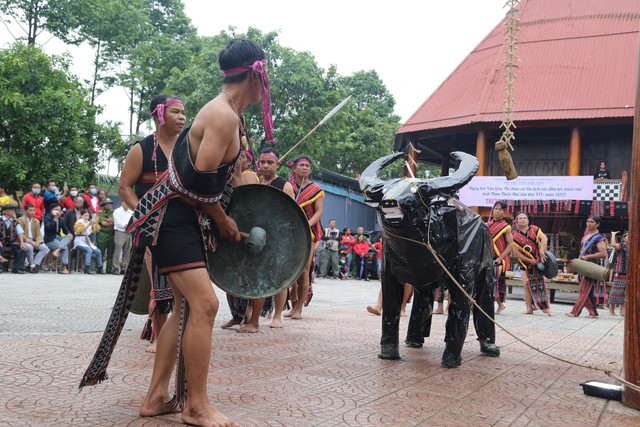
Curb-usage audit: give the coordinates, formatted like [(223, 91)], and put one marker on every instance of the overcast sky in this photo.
[(412, 45)]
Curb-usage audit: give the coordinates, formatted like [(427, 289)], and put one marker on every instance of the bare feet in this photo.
[(151, 348), (403, 314), (152, 406), (528, 312), (593, 316), (277, 324), (570, 315), (374, 310), (3, 260), (500, 309), (547, 311), (206, 417), (56, 253), (231, 323), (612, 312), (249, 328), (439, 311)]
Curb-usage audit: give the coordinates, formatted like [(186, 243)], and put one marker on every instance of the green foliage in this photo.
[(169, 38), (47, 126), (302, 93), (35, 16)]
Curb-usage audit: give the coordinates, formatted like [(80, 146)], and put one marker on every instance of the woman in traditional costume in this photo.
[(530, 243), (593, 249), (619, 283)]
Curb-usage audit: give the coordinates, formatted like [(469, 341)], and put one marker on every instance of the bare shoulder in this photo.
[(215, 118)]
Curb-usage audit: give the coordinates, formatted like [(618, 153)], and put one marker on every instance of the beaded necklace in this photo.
[(154, 157)]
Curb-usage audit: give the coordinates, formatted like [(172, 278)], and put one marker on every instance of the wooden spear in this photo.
[(324, 119)]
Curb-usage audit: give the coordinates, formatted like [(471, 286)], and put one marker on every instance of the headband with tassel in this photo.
[(260, 67)]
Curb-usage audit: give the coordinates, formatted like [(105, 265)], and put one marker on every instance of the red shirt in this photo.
[(378, 246), (349, 241), (68, 203), (361, 248), (92, 208), (37, 201)]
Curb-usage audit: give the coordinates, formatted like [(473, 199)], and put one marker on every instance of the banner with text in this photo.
[(486, 190)]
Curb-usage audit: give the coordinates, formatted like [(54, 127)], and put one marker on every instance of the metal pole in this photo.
[(631, 360)]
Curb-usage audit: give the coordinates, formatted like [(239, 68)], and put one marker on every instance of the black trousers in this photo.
[(18, 255)]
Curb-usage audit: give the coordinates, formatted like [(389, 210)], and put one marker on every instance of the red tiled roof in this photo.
[(578, 60)]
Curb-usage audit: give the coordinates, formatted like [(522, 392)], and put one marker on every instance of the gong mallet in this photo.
[(255, 239)]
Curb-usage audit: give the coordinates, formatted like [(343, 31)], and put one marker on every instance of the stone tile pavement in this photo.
[(319, 371)]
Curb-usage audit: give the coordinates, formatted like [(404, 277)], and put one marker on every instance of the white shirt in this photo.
[(7, 222), (121, 219), (83, 239)]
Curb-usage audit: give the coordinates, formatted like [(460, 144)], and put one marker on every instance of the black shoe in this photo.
[(35, 269), (99, 271), (87, 270), (115, 272), (17, 271)]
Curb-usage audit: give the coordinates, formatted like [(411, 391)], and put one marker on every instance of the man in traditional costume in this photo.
[(145, 163), (502, 242), (593, 249), (310, 197), (530, 243), (181, 218)]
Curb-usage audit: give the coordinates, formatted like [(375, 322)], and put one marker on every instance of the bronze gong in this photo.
[(236, 269)]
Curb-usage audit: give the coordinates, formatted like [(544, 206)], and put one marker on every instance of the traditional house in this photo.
[(573, 108)]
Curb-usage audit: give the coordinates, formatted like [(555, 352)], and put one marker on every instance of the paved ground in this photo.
[(320, 371)]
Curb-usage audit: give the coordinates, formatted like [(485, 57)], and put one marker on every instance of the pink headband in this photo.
[(159, 110), (260, 67), (270, 154), (248, 154)]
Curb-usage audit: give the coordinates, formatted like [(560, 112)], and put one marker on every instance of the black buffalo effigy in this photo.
[(415, 213)]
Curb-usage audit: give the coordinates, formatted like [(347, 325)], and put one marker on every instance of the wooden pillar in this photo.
[(631, 359), (481, 152), (575, 144), (412, 160)]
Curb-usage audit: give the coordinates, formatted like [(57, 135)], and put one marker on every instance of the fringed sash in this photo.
[(145, 227), (305, 198)]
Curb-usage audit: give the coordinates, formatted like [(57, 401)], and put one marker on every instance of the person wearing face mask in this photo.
[(54, 227), (106, 242), (69, 201), (83, 228), (11, 236), (34, 198), (91, 195), (52, 194)]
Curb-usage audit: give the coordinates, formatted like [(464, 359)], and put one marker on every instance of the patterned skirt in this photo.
[(618, 289), (538, 289)]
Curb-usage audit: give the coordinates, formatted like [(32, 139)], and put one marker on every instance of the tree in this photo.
[(168, 40), (302, 94), (48, 129), (35, 16), (111, 28)]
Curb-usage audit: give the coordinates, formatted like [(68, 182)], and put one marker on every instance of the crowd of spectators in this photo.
[(61, 223), (343, 255)]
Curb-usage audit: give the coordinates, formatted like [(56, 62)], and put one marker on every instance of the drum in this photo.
[(589, 269)]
